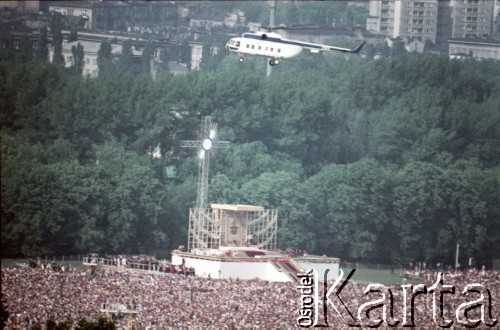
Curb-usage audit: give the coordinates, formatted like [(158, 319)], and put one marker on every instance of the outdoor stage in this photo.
[(247, 263), (239, 241)]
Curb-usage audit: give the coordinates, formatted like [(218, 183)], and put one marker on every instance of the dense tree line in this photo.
[(393, 160)]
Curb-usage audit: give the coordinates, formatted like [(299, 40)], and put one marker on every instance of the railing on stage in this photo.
[(115, 308), (124, 263), (92, 261)]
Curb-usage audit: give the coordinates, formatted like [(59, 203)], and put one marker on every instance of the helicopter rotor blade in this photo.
[(304, 27)]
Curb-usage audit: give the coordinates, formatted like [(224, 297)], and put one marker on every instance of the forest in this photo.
[(393, 160)]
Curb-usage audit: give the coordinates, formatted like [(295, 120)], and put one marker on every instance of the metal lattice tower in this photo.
[(206, 145), (272, 13)]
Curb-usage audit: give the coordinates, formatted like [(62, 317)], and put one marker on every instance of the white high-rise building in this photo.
[(434, 20), (381, 17), (408, 19), (472, 18), (496, 20)]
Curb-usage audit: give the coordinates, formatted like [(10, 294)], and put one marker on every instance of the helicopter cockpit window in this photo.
[(237, 44)]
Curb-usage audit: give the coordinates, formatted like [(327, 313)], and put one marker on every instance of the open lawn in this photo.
[(74, 263), (364, 275)]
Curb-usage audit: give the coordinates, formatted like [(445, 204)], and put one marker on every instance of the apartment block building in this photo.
[(90, 49), (23, 6), (416, 19), (380, 17), (496, 21), (472, 18), (434, 20), (407, 19)]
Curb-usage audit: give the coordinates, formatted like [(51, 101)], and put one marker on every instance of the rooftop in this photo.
[(237, 207), (477, 41), (86, 4), (93, 47)]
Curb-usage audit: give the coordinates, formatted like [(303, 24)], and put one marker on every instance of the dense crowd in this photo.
[(158, 301), (166, 300), (143, 262)]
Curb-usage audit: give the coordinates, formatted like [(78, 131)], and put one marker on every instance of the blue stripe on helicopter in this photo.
[(295, 43)]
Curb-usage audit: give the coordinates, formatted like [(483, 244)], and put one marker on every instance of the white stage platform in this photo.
[(248, 263)]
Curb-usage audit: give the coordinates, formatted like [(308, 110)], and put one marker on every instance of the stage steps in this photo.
[(287, 266)]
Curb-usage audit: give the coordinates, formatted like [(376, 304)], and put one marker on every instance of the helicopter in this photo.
[(275, 47)]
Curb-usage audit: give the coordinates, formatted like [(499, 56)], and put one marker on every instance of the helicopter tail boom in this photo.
[(358, 49)]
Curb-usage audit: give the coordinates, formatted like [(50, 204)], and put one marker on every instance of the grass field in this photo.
[(365, 275), (13, 262)]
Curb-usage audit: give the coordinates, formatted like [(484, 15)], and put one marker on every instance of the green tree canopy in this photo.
[(389, 160)]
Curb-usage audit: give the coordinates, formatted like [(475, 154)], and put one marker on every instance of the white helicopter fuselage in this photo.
[(263, 44), (273, 46)]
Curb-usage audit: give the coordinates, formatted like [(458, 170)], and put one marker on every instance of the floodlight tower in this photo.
[(207, 143), (271, 24)]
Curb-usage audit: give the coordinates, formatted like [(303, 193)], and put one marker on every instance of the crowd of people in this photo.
[(33, 295), (158, 301), (142, 262)]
